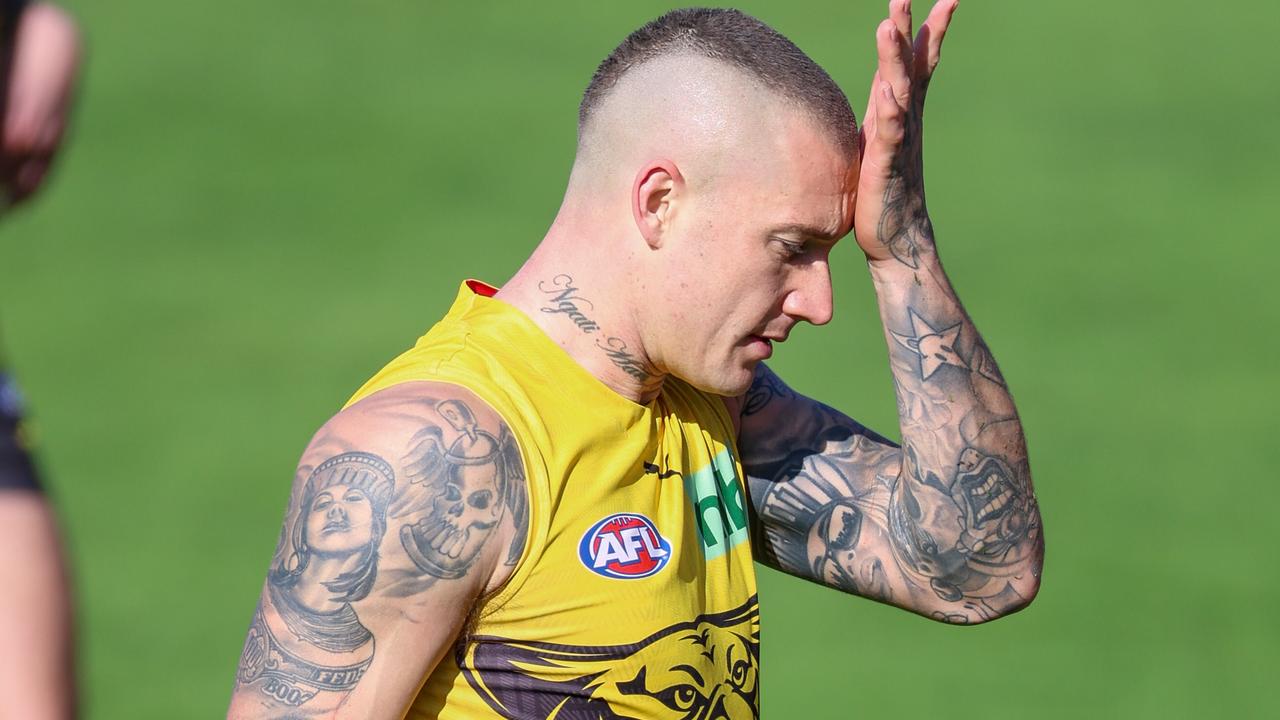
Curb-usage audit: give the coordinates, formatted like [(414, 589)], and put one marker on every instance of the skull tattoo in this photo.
[(469, 480), (958, 537)]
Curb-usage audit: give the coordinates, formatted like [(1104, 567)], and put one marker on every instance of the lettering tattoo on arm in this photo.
[(564, 298), (357, 533)]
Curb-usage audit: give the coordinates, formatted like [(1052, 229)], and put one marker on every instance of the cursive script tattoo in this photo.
[(617, 351), (566, 299)]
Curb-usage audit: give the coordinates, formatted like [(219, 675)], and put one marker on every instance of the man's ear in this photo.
[(657, 189)]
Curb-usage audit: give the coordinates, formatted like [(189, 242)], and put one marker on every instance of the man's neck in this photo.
[(587, 314)]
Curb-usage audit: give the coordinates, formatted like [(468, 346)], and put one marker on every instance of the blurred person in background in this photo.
[(41, 52), (551, 506)]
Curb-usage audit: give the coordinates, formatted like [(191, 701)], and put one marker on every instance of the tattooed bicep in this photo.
[(459, 503), (819, 487), (780, 427), (405, 507)]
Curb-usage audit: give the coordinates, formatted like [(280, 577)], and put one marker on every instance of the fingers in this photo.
[(900, 14), (889, 129), (883, 131), (871, 103), (928, 44), (868, 133), (894, 56), (904, 69)]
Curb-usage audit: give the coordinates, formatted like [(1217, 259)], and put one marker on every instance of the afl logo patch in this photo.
[(624, 545)]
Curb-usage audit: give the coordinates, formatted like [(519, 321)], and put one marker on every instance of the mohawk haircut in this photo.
[(739, 41)]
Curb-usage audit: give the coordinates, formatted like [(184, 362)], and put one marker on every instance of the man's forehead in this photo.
[(805, 180)]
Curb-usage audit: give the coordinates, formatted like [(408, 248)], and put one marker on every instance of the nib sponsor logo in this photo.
[(624, 545)]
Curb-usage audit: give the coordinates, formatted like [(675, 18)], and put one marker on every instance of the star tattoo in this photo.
[(935, 347)]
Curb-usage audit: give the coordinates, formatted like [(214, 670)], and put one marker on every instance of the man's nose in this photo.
[(811, 297)]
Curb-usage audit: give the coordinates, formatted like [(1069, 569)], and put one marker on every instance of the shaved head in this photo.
[(733, 41), (706, 117)]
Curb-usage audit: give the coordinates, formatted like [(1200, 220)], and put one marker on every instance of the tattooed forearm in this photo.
[(948, 525), (563, 297), (935, 347), (963, 519), (964, 535)]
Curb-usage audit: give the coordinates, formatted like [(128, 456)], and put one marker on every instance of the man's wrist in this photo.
[(914, 254)]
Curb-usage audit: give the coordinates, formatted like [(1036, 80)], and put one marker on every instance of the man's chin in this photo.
[(728, 385), (740, 388)]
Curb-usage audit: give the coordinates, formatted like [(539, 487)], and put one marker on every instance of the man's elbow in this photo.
[(1020, 592), (1014, 595)]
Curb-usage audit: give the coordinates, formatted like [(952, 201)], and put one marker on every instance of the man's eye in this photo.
[(791, 249)]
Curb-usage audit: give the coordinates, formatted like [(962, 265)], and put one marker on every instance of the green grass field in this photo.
[(263, 202)]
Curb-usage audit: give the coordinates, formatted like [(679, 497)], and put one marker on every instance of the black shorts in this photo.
[(16, 469)]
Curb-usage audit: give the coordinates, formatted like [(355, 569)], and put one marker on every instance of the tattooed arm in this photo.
[(947, 525), (406, 508)]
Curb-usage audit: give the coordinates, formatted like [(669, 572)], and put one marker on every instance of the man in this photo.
[(570, 534), (40, 56)]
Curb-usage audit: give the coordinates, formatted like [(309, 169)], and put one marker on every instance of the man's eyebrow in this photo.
[(810, 231)]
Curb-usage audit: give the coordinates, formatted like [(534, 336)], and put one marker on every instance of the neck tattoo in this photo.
[(564, 298)]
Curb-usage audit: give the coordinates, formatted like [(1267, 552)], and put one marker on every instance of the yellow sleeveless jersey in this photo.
[(635, 596)]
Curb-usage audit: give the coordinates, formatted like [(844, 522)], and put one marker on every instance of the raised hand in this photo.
[(890, 220)]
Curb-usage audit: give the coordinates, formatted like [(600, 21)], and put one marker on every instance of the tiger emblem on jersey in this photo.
[(703, 669)]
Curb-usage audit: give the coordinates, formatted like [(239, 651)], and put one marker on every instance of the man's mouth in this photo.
[(761, 344)]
